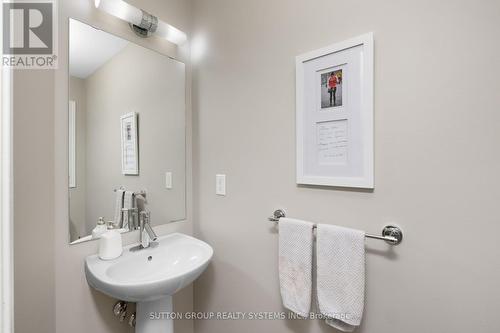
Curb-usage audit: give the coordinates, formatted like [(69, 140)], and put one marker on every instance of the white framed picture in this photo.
[(335, 115), (130, 154)]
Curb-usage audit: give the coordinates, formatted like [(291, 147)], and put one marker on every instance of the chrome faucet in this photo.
[(145, 225)]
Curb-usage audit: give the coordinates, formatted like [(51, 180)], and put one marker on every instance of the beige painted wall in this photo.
[(33, 171), (437, 158), (77, 195), (51, 294)]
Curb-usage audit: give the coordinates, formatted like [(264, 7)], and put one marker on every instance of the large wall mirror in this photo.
[(126, 134)]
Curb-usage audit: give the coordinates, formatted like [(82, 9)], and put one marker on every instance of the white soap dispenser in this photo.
[(99, 229), (110, 244)]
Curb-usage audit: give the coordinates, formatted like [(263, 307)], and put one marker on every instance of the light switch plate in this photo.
[(220, 184), (168, 180)]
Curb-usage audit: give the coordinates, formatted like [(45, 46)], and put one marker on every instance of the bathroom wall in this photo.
[(33, 173), (436, 158), (77, 195), (51, 293)]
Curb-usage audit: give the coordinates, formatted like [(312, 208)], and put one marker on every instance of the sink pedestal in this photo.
[(153, 317)]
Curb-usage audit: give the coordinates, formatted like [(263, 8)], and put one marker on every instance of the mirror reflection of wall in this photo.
[(111, 79)]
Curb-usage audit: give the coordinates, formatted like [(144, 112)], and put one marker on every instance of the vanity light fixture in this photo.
[(143, 23)]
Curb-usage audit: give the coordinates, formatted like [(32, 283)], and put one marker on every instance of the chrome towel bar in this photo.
[(390, 234)]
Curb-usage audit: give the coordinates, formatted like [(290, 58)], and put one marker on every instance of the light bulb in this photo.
[(170, 33), (120, 9)]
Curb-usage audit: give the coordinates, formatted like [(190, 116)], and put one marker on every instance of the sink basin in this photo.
[(150, 276)]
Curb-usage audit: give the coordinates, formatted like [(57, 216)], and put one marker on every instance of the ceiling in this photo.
[(90, 48)]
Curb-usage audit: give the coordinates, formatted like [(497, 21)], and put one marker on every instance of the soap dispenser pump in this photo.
[(99, 229)]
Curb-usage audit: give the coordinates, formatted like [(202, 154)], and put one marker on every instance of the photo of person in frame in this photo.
[(331, 89)]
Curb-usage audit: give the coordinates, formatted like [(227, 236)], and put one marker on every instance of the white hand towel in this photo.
[(118, 207), (295, 264), (341, 275), (128, 202)]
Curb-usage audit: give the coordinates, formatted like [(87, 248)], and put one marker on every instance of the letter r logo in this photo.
[(28, 27)]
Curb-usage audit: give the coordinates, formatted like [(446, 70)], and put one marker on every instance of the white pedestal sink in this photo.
[(150, 277)]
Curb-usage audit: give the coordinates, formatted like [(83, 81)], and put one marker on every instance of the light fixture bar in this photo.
[(143, 23)]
